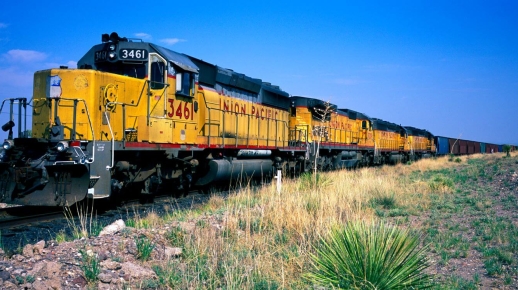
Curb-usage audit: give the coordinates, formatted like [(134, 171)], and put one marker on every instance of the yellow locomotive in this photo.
[(135, 116)]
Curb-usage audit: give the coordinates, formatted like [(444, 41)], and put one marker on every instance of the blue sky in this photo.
[(448, 66)]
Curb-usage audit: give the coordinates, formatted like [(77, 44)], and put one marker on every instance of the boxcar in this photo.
[(442, 144)]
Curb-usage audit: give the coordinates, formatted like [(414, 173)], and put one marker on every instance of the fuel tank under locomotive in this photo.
[(236, 170)]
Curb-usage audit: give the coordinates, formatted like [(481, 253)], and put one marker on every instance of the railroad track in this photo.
[(21, 216), (27, 225)]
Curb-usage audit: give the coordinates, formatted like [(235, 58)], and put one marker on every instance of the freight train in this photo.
[(138, 117)]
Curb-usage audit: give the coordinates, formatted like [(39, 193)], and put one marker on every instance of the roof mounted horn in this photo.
[(114, 37)]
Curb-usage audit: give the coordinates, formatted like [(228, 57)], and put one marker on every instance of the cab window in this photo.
[(184, 83), (157, 75), (134, 70)]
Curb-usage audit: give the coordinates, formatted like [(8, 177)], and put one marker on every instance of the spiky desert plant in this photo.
[(365, 255)]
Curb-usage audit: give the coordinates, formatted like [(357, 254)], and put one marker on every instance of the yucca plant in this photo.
[(370, 256)]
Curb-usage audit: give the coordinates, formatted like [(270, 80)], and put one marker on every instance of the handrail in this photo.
[(89, 122), (149, 110), (123, 104), (108, 167)]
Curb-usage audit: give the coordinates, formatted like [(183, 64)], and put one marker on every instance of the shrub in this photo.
[(370, 256), (451, 156)]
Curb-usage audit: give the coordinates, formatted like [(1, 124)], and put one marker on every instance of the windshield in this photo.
[(134, 70)]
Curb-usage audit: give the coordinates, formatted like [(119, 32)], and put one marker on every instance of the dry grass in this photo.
[(267, 236), (151, 220)]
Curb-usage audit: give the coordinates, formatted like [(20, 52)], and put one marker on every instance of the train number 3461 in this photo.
[(183, 110), (133, 54)]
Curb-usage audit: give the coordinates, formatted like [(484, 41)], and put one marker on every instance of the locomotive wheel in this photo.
[(149, 189), (151, 185)]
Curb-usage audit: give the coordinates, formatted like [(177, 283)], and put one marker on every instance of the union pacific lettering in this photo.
[(242, 108), (341, 125), (387, 135), (231, 106)]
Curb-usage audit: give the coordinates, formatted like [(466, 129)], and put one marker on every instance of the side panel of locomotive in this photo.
[(231, 122), (240, 112)]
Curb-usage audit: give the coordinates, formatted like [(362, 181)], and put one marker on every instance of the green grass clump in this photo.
[(168, 275), (387, 201), (144, 248), (90, 265), (370, 256), (309, 181), (441, 183)]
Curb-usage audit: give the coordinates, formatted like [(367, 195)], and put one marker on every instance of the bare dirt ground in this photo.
[(474, 230)]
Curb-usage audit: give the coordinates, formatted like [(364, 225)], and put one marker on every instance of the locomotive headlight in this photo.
[(62, 146), (112, 55), (111, 47), (8, 144)]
